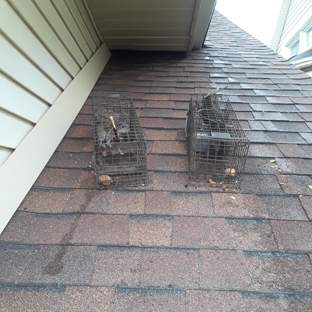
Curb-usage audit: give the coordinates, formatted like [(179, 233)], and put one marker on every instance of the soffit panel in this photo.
[(149, 24)]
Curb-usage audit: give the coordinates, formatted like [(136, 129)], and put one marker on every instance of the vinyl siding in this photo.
[(300, 11), (51, 56), (297, 10), (44, 44)]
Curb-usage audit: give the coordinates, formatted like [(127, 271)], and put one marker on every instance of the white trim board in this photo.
[(23, 167), (280, 25)]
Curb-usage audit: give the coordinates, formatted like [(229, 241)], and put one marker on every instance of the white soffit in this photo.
[(152, 25)]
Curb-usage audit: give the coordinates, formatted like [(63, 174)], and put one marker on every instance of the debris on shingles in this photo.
[(201, 247), (211, 181), (230, 171), (105, 180)]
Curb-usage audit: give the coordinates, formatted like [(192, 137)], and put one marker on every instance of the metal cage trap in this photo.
[(119, 144), (217, 146)]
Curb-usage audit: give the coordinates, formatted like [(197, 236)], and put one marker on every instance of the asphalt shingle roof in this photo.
[(165, 246)]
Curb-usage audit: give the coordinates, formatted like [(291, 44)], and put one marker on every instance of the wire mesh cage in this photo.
[(217, 146), (119, 144)]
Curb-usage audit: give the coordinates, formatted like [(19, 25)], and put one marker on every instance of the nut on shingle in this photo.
[(230, 171), (105, 180)]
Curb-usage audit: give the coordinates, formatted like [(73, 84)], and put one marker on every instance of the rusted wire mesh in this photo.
[(217, 146), (119, 144)]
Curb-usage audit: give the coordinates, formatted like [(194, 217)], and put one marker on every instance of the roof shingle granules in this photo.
[(168, 246)]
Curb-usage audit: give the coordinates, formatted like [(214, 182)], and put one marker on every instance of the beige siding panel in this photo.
[(120, 14), (4, 154), (148, 4), (72, 26), (42, 29), (13, 129), (14, 28), (148, 23), (84, 10), (81, 24), (19, 68), (60, 28), (17, 100), (27, 159)]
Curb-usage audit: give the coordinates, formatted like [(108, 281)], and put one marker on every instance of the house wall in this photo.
[(299, 15), (51, 56), (44, 44)]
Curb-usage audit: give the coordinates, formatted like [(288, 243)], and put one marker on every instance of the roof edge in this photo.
[(280, 24)]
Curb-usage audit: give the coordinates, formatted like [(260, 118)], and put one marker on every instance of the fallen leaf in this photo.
[(310, 187), (211, 181), (232, 197), (272, 160)]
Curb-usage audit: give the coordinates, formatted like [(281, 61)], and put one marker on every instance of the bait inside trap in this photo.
[(119, 144), (217, 146)]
